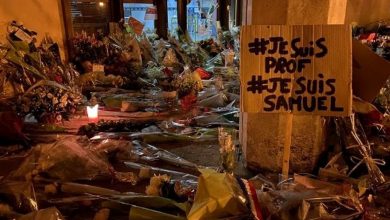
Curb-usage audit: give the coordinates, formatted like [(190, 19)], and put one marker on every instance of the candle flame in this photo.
[(92, 111)]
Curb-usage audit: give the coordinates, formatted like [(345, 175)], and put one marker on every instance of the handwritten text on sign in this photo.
[(303, 69)]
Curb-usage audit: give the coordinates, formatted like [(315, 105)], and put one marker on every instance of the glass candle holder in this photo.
[(93, 113)]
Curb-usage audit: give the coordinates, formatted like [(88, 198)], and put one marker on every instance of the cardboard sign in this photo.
[(23, 36), (370, 72), (136, 25), (303, 69), (97, 68)]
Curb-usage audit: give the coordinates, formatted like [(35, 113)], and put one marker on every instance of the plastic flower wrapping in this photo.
[(210, 46), (49, 102), (89, 47), (153, 71), (34, 80), (144, 158), (188, 82), (383, 98), (124, 55), (227, 150)]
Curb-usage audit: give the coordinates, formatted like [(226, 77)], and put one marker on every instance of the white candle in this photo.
[(92, 112)]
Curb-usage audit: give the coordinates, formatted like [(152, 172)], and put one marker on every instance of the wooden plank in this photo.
[(308, 11), (68, 28), (297, 12), (264, 134), (116, 10), (223, 15), (246, 12), (337, 12), (238, 12), (162, 18), (287, 147), (289, 122), (267, 12), (320, 83), (182, 14)]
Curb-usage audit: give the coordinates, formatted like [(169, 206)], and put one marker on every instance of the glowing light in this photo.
[(101, 4), (92, 112)]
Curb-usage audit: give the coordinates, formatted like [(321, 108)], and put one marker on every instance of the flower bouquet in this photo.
[(227, 150), (88, 47), (188, 85), (49, 102)]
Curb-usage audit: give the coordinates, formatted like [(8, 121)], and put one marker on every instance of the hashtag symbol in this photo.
[(258, 46), (256, 84)]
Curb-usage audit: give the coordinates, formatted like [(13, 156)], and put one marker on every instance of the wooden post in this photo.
[(68, 28), (287, 146), (116, 10), (238, 12), (223, 15), (267, 12), (286, 137), (162, 18), (182, 14)]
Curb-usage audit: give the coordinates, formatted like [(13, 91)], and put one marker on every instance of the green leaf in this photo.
[(14, 57), (46, 83), (19, 45)]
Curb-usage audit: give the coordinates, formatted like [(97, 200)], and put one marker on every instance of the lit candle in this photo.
[(92, 112)]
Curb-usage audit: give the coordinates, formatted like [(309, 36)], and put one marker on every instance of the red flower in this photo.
[(188, 101), (168, 72), (58, 79), (203, 74)]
